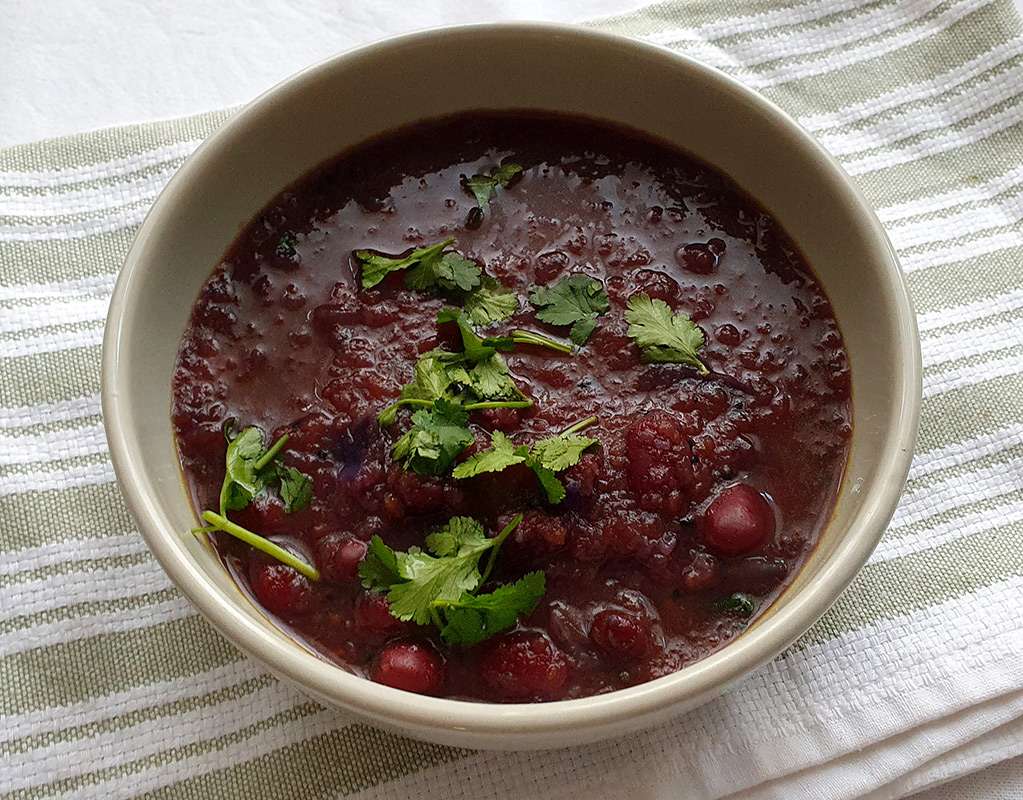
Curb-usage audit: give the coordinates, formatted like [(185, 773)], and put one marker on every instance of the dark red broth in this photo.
[(702, 487)]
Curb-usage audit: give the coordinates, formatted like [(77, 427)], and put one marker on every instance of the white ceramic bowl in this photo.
[(340, 102)]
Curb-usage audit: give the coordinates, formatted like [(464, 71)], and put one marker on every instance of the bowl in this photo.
[(342, 101)]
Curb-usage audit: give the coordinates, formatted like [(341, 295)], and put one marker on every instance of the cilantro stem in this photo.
[(268, 456), (205, 529), (389, 415), (222, 523), (498, 404), (498, 541), (386, 417), (580, 425), (528, 337)]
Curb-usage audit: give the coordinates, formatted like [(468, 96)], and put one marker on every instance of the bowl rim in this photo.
[(408, 711)]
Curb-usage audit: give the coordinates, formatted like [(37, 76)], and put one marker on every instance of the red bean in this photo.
[(550, 265), (524, 665), (701, 574), (281, 589), (619, 635), (373, 616), (738, 521), (338, 557), (659, 469), (410, 666), (696, 258), (728, 334)]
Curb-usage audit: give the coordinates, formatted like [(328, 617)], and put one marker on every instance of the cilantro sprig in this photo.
[(376, 267), (475, 618), (439, 585), (490, 302), (437, 436), (250, 469), (546, 458), (577, 300), (482, 187), (448, 274), (475, 378), (663, 336)]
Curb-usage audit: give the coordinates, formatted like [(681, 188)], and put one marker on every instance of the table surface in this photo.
[(88, 64)]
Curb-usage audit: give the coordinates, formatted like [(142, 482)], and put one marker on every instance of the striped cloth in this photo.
[(112, 686)]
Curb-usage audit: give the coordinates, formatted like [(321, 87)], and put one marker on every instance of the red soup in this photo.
[(532, 407)]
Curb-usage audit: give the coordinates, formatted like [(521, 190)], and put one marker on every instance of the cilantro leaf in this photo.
[(479, 367), (437, 436), (296, 489), (431, 579), (249, 468), (379, 568), (474, 618), (664, 337), (549, 482), (490, 380), (739, 603), (473, 347), (482, 186), (375, 267), (241, 480), (453, 536), (286, 245), (451, 570), (489, 303), (433, 381), (502, 453), (545, 458), (561, 452), (577, 300), (506, 172), (478, 373), (444, 272)]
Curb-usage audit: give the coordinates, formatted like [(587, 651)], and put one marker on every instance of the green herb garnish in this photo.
[(447, 274), (482, 186), (437, 437), (437, 585), (286, 245), (489, 303), (222, 523), (546, 457), (250, 468), (444, 272), (577, 300), (738, 603), (475, 378), (376, 267), (664, 337), (296, 489), (502, 454), (477, 348), (475, 618)]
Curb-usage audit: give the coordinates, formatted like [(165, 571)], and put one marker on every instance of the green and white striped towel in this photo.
[(112, 686)]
